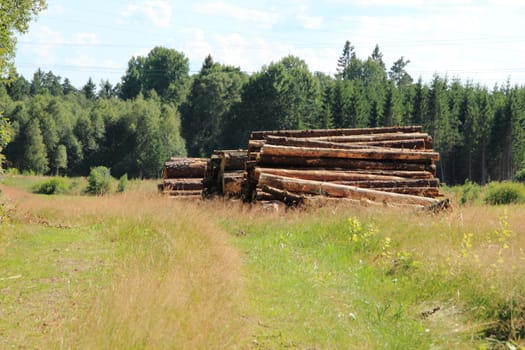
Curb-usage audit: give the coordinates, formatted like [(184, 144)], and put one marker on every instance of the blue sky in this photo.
[(482, 41)]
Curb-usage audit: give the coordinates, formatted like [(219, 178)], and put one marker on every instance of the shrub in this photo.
[(99, 181), (122, 183), (55, 185), (505, 193), (470, 192)]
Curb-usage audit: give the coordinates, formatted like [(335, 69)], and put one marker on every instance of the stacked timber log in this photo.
[(225, 173), (182, 177), (389, 166)]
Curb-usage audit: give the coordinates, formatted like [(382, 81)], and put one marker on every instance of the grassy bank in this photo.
[(135, 270)]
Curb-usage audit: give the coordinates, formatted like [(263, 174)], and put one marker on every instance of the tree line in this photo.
[(159, 110)]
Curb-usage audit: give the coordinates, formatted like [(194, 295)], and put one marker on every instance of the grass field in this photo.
[(138, 271)]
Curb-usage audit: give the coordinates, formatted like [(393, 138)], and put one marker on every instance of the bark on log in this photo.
[(374, 137), (259, 135), (325, 175), (288, 198), (264, 196), (306, 142), (416, 144), (341, 163), (184, 168), (431, 192), (400, 173), (334, 190), (376, 184), (183, 184), (365, 154)]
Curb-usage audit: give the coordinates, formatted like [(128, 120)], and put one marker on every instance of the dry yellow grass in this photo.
[(177, 281)]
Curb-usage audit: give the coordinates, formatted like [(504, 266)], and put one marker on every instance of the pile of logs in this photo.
[(182, 177), (388, 166), (225, 173)]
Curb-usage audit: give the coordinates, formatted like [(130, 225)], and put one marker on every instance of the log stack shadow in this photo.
[(386, 166)]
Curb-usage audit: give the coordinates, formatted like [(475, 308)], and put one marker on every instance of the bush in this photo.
[(470, 192), (99, 181), (55, 185), (505, 193), (122, 183)]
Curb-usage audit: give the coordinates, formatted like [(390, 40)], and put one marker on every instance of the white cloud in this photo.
[(81, 60), (309, 22), (159, 12), (265, 19), (85, 38), (41, 43), (196, 47)]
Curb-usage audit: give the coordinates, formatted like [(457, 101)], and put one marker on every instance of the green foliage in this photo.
[(520, 175), (14, 19), (6, 132), (99, 181), (505, 193), (35, 155), (55, 185), (470, 192), (122, 183), (166, 71), (162, 112)]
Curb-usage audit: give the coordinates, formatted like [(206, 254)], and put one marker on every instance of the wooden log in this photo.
[(335, 190), (264, 196), (431, 192), (307, 142), (341, 163), (232, 183), (325, 175), (184, 168), (382, 184), (232, 159), (183, 193), (259, 135), (416, 144), (288, 198), (183, 184), (400, 173), (365, 154), (374, 137)]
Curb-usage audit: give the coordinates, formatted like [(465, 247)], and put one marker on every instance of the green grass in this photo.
[(315, 286), (47, 275), (135, 270)]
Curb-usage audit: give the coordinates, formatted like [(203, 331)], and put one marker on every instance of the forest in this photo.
[(159, 110)]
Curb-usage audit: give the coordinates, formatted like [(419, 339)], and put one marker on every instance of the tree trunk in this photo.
[(415, 144), (430, 183), (341, 163), (288, 198), (183, 184), (374, 137), (365, 154), (325, 175), (184, 168), (342, 191), (259, 135)]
